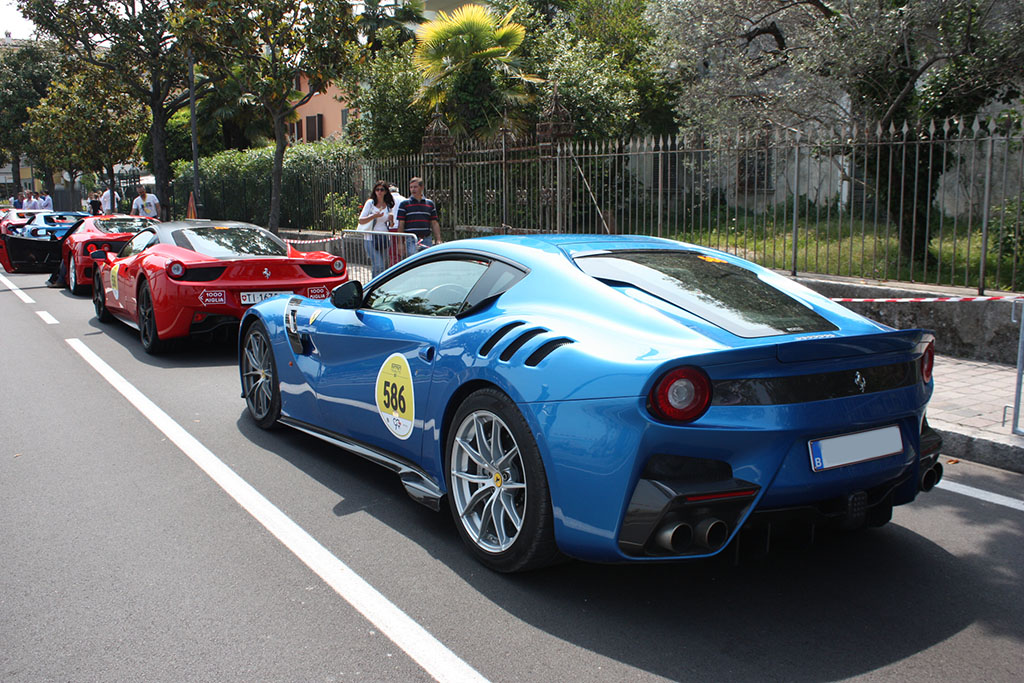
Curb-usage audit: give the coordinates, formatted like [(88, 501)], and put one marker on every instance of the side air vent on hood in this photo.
[(545, 349), (497, 337)]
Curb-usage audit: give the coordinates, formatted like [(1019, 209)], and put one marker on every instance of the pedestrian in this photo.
[(46, 201), (19, 201), (30, 201), (106, 204), (95, 205), (145, 204), (417, 216), (378, 215)]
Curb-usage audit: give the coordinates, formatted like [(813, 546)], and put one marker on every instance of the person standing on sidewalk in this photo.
[(107, 205), (146, 204), (417, 216)]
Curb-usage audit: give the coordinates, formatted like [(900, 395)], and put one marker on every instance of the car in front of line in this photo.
[(96, 233), (195, 277), (609, 398)]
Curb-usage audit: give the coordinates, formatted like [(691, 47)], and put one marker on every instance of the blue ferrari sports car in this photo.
[(609, 398)]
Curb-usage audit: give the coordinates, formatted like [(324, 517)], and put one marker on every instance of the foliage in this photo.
[(395, 16), (131, 39), (179, 138), (342, 209), (754, 61), (391, 122), (262, 46), (25, 75), (597, 54), (472, 72), (234, 183), (86, 122)]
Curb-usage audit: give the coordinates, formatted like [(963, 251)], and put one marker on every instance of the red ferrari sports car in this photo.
[(96, 233), (183, 278)]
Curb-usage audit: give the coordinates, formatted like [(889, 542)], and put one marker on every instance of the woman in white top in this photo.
[(378, 216)]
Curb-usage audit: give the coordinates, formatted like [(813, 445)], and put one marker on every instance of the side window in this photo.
[(436, 288), (138, 243)]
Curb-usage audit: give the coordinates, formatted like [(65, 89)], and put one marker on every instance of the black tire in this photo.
[(151, 341), (499, 495), (99, 302), (73, 285), (261, 386)]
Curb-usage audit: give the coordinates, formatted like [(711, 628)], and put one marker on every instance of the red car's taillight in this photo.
[(681, 395), (338, 266), (928, 362), (176, 270)]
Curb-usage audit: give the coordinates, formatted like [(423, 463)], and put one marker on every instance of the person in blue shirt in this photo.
[(417, 216)]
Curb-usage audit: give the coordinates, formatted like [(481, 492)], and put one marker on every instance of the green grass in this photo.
[(859, 248)]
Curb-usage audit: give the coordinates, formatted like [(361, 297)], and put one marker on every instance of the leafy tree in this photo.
[(86, 122), (472, 71), (597, 53), (397, 15), (752, 62), (130, 38), (262, 47), (25, 75), (391, 121)]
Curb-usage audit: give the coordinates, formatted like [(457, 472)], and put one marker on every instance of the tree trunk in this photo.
[(113, 189), (161, 169), (16, 169), (281, 138)]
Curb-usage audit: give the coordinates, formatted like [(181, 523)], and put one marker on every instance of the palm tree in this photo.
[(378, 15), (471, 70)]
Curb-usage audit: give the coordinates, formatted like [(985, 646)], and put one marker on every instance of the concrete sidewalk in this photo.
[(967, 409)]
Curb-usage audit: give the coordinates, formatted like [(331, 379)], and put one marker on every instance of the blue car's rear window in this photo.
[(728, 296)]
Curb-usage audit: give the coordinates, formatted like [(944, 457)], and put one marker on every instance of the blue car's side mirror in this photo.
[(348, 295)]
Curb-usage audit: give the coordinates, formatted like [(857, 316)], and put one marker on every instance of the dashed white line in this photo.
[(420, 645), (980, 494), (47, 318), (17, 292)]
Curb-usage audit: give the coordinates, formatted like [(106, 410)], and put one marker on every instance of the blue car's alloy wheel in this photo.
[(497, 487), (259, 378)]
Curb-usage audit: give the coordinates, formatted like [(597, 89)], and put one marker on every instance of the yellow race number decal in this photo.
[(113, 280), (395, 402)]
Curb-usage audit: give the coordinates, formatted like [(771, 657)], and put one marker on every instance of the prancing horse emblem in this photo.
[(266, 273), (859, 380)]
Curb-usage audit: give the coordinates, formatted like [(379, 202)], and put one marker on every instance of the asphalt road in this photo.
[(123, 559)]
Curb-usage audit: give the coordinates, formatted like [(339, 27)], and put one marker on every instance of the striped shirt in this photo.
[(417, 214)]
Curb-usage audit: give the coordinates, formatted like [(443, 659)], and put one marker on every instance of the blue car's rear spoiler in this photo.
[(843, 347)]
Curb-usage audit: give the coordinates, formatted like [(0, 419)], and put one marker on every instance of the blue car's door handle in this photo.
[(427, 353)]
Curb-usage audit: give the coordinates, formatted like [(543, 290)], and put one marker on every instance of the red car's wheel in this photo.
[(74, 286), (99, 302), (151, 341)]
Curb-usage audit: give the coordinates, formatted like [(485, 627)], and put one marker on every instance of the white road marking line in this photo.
[(420, 645), (981, 494), (47, 318), (17, 292)]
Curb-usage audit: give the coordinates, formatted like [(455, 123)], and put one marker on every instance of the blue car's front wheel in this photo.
[(260, 384), (498, 491)]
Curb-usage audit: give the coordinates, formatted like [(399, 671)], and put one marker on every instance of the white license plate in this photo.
[(248, 298), (852, 448)]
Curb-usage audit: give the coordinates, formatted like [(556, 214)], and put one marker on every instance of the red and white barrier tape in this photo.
[(931, 299), (319, 241)]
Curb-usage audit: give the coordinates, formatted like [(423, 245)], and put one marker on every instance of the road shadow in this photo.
[(844, 606), (193, 352)]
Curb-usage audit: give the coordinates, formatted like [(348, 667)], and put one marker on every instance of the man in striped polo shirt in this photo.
[(417, 216)]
